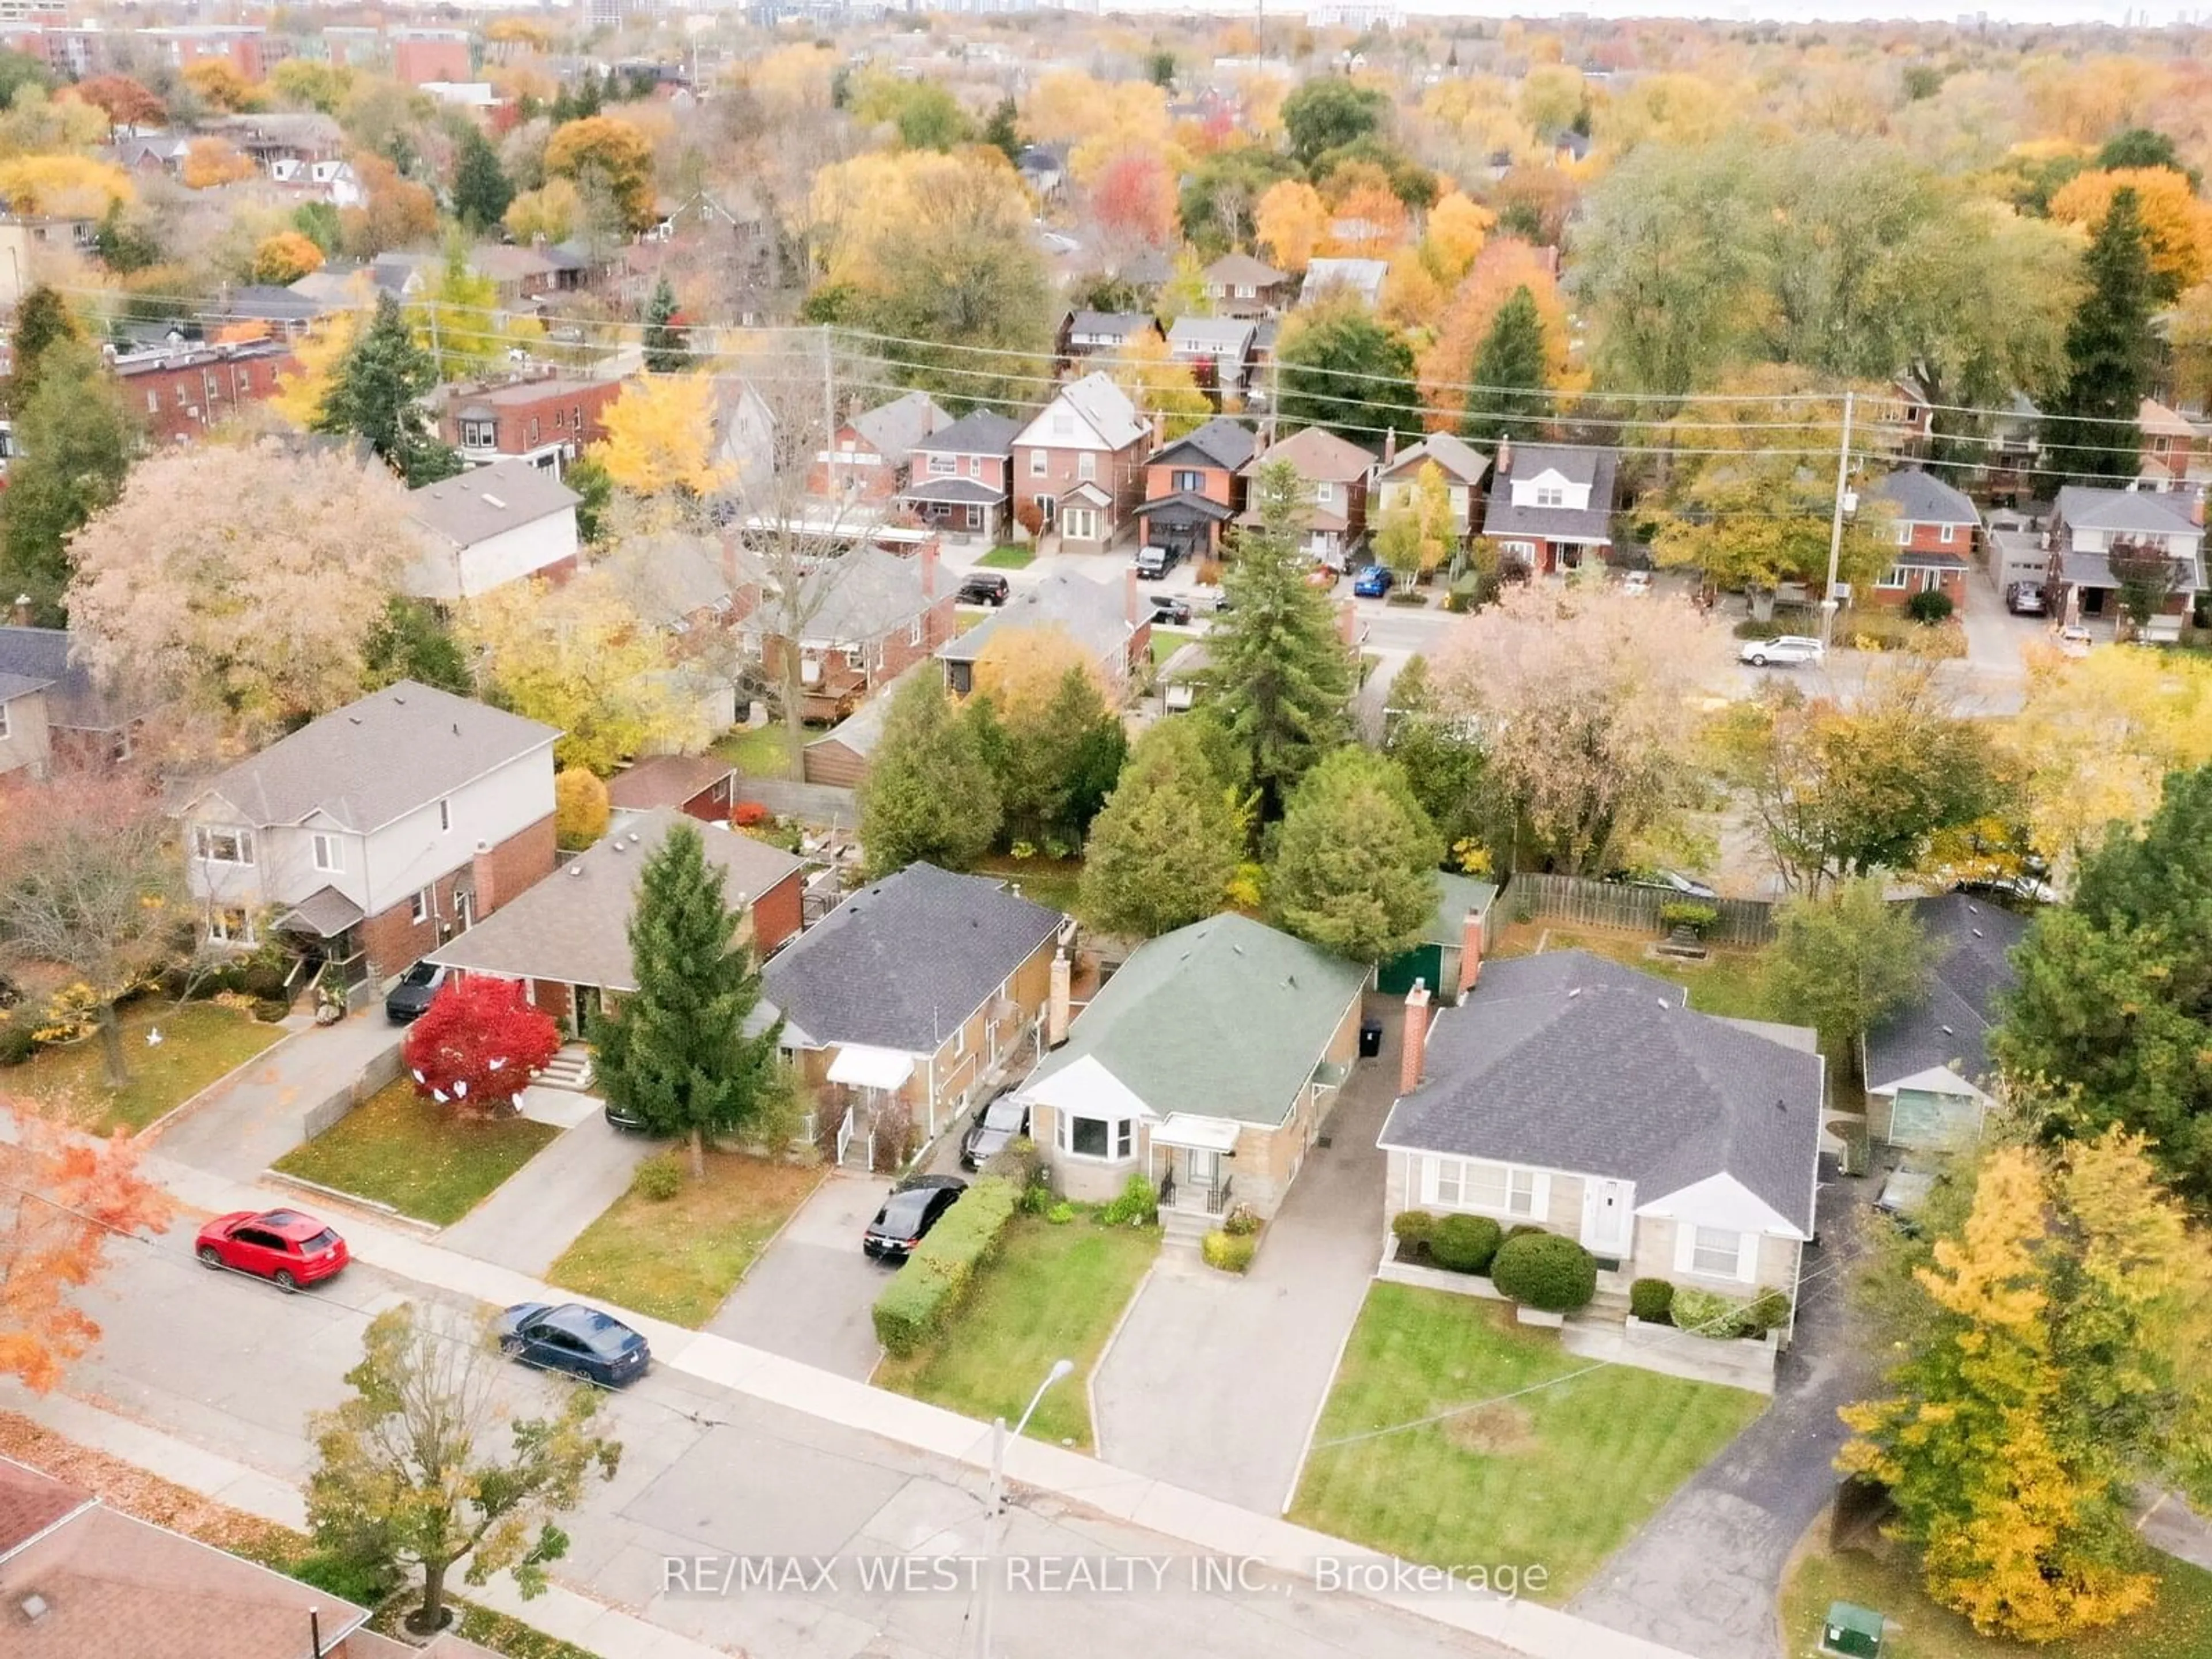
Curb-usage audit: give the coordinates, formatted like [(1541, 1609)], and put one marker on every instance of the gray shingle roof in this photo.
[(1095, 613), (1234, 270), (1972, 942), (1363, 276), (1459, 460), (485, 500), (1226, 1017), (1456, 896), (1219, 337), (979, 432), (901, 963), (574, 925), (1220, 442), (380, 757), (41, 656), (13, 686), (1111, 324), (971, 492), (1568, 1061), (1917, 497), (668, 578), (895, 426), (854, 598), (1577, 465), (2126, 512)]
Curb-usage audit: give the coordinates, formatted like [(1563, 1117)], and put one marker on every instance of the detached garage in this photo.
[(1450, 951)]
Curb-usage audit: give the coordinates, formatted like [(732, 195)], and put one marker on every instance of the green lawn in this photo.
[(1007, 556), (414, 1155), (765, 753), (1053, 1292), (678, 1259), (200, 1042), (1731, 982), (1557, 1479), (1167, 642), (2177, 1627), (1048, 881)]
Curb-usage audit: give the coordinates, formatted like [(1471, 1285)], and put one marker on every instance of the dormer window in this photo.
[(1550, 496), (479, 435)]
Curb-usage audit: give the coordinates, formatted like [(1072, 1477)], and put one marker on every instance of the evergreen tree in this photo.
[(1055, 762), (2109, 354), (376, 393), (1448, 771), (1285, 675), (930, 794), (1508, 374), (1165, 849), (1341, 368), (76, 440), (675, 1051), (482, 190), (41, 319), (1000, 132), (667, 347), (1355, 866)]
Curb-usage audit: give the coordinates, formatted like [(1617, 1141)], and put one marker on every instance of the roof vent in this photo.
[(491, 500), (33, 1606), (616, 845), (577, 868), (1947, 1032), (1780, 1104), (1574, 993), (633, 837)]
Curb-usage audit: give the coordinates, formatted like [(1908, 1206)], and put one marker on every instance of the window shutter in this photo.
[(1746, 1257), (1428, 1179), (1539, 1197), (1686, 1245)]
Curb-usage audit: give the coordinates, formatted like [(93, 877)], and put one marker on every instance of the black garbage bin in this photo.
[(1371, 1038)]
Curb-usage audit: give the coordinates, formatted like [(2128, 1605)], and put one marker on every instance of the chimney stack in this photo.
[(485, 891), (929, 570), (1470, 953), (1056, 1002), (2197, 508), (1416, 1040), (23, 610), (1390, 447), (1132, 606), (1501, 468)]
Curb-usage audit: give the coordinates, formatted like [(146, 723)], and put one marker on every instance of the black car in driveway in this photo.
[(1167, 608), (1002, 1118), (573, 1338), (914, 1205), (407, 1001), (983, 588), (625, 1119)]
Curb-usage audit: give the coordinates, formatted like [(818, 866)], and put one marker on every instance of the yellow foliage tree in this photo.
[(212, 161), (1021, 669), (1291, 221), (1159, 385), (218, 83), (1411, 296), (801, 77), (76, 186), (300, 393), (660, 437), (581, 808), (865, 209), (2178, 226), (1098, 118), (551, 212), (1503, 266), (613, 152), (285, 257), (1457, 228)]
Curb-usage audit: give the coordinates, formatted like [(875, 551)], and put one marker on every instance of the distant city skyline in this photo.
[(2141, 14)]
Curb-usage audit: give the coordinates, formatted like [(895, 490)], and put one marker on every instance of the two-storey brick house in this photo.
[(547, 421), (1079, 465), (369, 836), (863, 618), (957, 481), (1936, 528), (867, 459), (182, 391), (1194, 486), (1335, 472)]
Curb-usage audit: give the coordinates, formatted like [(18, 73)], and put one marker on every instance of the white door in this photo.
[(1608, 1221)]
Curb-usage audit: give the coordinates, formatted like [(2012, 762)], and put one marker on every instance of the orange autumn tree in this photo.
[(1291, 222), (1502, 267), (2177, 225), (63, 1200), (212, 161)]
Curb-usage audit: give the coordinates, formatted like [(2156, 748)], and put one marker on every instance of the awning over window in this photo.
[(1201, 1134), (863, 1067)]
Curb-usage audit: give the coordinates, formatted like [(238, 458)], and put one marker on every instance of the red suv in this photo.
[(283, 1245)]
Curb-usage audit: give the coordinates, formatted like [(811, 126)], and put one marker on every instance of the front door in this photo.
[(1608, 1221), (1201, 1171), (586, 1000)]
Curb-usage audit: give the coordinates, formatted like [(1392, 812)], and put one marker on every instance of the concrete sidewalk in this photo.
[(243, 1125)]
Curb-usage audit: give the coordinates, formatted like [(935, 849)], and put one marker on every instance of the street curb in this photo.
[(429, 1230)]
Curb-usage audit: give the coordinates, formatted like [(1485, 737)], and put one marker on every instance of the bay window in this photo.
[(1101, 1138)]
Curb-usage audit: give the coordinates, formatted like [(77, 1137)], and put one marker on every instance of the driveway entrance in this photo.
[(811, 1295)]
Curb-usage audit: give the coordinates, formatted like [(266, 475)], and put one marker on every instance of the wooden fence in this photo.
[(1616, 904)]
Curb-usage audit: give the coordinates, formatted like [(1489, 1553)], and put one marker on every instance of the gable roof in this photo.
[(979, 432), (1220, 442), (905, 961), (1970, 942), (852, 598), (1362, 276), (1918, 497), (1227, 1018), (2126, 512), (38, 660), (894, 428), (1568, 1061), (1100, 404), (1095, 613), (665, 780), (1219, 337), (1318, 454), (1460, 461), (380, 757), (1241, 270), (1111, 324), (670, 577), (573, 927), (30, 1501), (1575, 463), (485, 500)]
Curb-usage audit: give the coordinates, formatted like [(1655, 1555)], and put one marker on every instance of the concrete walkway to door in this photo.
[(1215, 1381)]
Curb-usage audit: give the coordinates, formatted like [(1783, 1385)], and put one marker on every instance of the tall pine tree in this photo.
[(667, 348), (376, 393), (1163, 852), (42, 318), (1508, 373), (930, 793), (482, 190), (1284, 675), (1355, 863), (675, 1051), (2091, 433)]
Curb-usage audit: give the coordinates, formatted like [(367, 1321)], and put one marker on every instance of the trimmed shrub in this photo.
[(1651, 1300), (1930, 604), (1525, 1229), (658, 1179), (1464, 1243), (749, 815), (1138, 1206), (1231, 1252), (1723, 1317), (270, 1010), (1547, 1271), (1241, 1221), (925, 1293), (1699, 919), (1413, 1229), (1769, 1309)]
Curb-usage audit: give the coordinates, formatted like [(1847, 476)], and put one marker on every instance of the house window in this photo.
[(444, 815), (1036, 463), (479, 435), (1324, 492), (419, 906), (230, 924), (1904, 535), (1950, 533), (1078, 524), (1245, 290), (1550, 496), (1193, 482), (914, 633), (1714, 1253), (214, 846), (975, 517), (1467, 1184), (1086, 467), (1894, 578), (330, 857), (975, 466), (1097, 1137), (856, 658), (3, 722), (154, 403), (943, 466)]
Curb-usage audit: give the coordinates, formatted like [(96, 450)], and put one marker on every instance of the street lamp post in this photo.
[(994, 1508)]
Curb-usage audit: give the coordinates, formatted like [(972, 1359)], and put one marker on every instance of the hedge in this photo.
[(929, 1289), (1723, 1317), (1651, 1300), (1547, 1271), (1464, 1243)]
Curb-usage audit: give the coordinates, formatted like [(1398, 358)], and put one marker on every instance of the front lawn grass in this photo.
[(200, 1042), (2178, 1624), (1052, 881), (1729, 981), (680, 1258), (1558, 1478), (1007, 556), (762, 753), (396, 1148), (1051, 1292)]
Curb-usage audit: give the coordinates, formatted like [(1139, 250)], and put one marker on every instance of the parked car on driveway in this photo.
[(1167, 608), (983, 587), (1000, 1120), (1373, 582), (911, 1209), (2024, 599), (1154, 562), (1635, 583), (286, 1246), (1666, 881), (625, 1119), (1789, 651), (573, 1338), (410, 999)]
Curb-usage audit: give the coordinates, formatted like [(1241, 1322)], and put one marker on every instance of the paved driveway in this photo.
[(1704, 1573), (1214, 1381), (810, 1295), (242, 1127), (541, 1208)]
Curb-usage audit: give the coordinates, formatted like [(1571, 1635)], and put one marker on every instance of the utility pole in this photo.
[(1836, 525)]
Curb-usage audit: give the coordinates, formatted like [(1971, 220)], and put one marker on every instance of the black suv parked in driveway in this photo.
[(983, 587)]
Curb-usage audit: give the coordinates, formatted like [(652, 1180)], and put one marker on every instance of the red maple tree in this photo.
[(477, 1045)]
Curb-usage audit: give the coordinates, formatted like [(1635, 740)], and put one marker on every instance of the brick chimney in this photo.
[(22, 611), (1132, 606), (1056, 999), (484, 888), (1389, 447), (2197, 508), (929, 569), (1416, 1039), (1347, 624), (1501, 468), (1470, 952)]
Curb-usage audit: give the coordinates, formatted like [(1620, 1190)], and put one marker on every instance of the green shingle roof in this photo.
[(1226, 1018), (1456, 895)]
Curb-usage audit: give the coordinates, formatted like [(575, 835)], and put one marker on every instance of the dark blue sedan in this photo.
[(575, 1339), (1373, 582)]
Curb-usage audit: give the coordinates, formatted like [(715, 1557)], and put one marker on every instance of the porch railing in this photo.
[(1168, 1191), (1216, 1198)]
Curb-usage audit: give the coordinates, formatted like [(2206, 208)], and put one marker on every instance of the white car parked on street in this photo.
[(1788, 649)]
